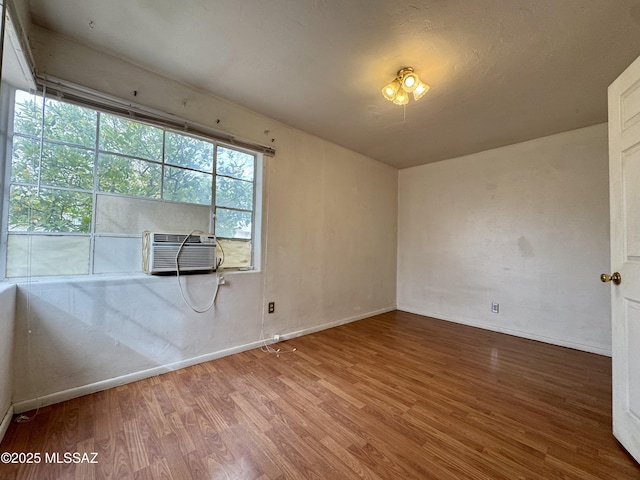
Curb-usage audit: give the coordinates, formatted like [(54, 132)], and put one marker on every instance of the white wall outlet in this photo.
[(495, 307), (221, 280), (276, 338)]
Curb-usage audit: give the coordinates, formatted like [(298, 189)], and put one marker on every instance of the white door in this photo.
[(624, 191)]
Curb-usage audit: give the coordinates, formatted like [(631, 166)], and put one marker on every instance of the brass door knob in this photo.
[(616, 278)]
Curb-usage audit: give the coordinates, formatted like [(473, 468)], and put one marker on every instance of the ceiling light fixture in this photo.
[(406, 82)]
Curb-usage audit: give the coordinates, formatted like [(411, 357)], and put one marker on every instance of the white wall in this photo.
[(7, 314), (526, 226), (329, 246)]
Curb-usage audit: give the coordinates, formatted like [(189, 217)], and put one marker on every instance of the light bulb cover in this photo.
[(390, 90), (409, 79), (420, 90), (401, 98), (406, 81)]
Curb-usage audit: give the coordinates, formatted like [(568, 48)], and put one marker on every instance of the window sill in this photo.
[(117, 277)]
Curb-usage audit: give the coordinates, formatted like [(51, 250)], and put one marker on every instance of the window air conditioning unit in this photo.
[(159, 250)]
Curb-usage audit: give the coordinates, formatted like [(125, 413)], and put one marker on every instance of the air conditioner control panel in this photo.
[(207, 238)]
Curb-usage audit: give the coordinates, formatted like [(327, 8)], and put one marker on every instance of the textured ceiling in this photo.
[(501, 71)]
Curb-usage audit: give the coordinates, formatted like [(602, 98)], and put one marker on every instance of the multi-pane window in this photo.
[(84, 184)]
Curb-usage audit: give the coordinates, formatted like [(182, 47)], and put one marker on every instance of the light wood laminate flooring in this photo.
[(396, 396)]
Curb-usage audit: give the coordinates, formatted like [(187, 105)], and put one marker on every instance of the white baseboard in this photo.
[(517, 333), (337, 323), (57, 397), (6, 421)]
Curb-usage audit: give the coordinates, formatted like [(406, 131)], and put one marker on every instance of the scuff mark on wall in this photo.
[(526, 249)]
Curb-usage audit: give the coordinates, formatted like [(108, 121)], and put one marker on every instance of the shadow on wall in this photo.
[(77, 333)]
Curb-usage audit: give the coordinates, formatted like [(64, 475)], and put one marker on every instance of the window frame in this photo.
[(7, 114)]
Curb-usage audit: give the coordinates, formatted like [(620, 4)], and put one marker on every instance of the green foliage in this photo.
[(233, 223), (234, 189), (128, 176), (49, 210), (69, 123), (62, 165), (189, 152), (234, 193), (187, 186), (65, 166), (235, 164), (24, 161), (129, 162), (27, 118), (127, 137)]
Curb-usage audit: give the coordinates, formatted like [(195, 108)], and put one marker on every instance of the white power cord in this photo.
[(29, 284), (266, 347), (215, 293)]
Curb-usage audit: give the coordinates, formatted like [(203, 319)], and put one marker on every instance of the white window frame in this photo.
[(6, 125)]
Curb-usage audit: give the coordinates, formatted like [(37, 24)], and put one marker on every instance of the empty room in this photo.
[(320, 239)]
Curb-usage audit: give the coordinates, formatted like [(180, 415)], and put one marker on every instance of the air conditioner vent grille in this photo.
[(159, 252), (174, 238)]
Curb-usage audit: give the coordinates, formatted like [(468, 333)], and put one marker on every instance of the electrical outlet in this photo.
[(221, 280), (276, 338), (495, 307), (272, 307)]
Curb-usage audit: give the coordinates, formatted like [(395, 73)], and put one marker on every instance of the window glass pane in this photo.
[(127, 176), (233, 224), (148, 178), (115, 214), (24, 160), (65, 166), (117, 255), (233, 163), (69, 123), (237, 253), (124, 136), (234, 193), (51, 210), (187, 186), (190, 152), (27, 117), (38, 255)]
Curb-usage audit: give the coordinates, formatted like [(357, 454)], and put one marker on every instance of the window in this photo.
[(84, 185)]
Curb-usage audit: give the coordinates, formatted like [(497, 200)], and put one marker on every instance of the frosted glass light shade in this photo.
[(410, 81), (390, 90), (420, 90), (401, 98), (406, 82)]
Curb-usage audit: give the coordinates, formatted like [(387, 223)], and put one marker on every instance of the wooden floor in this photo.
[(395, 396)]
